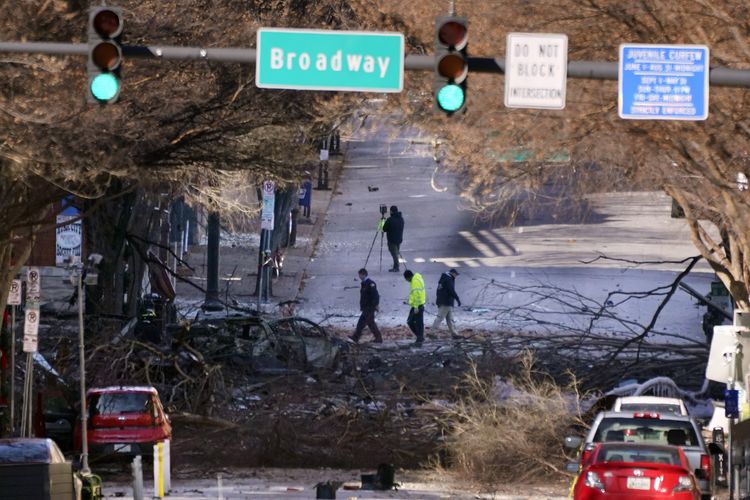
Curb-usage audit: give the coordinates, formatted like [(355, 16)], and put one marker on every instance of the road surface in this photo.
[(528, 276)]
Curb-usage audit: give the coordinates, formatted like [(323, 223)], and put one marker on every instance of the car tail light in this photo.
[(593, 481), (586, 453), (646, 414), (706, 466), (684, 483)]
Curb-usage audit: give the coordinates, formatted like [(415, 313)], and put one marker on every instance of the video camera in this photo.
[(383, 210)]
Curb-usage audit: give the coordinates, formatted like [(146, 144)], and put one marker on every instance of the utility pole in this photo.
[(212, 302)]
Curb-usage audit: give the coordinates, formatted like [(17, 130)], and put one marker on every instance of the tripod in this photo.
[(373, 244)]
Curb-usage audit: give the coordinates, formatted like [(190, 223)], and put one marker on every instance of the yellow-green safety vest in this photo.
[(417, 295)]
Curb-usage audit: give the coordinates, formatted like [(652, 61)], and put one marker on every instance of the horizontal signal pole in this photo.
[(591, 70)]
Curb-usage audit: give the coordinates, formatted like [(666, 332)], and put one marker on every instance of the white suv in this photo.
[(653, 404)]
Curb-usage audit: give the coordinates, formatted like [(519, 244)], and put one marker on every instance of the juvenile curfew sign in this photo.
[(329, 60), (663, 82)]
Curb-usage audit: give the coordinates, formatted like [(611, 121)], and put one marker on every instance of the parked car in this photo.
[(124, 421), (36, 468), (653, 428), (652, 404), (636, 470)]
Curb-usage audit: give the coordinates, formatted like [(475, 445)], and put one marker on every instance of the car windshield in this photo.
[(656, 408), (19, 452), (639, 454), (656, 431), (120, 402)]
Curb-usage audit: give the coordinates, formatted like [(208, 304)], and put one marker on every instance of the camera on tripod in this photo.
[(383, 210)]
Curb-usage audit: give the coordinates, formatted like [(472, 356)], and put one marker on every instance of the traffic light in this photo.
[(105, 54), (451, 63)]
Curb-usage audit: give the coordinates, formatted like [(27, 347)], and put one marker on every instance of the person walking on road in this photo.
[(369, 300), (446, 294), (417, 298), (393, 227)]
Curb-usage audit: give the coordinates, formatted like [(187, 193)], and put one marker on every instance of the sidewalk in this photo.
[(238, 257)]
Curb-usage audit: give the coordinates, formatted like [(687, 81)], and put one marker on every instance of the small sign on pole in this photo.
[(269, 200), (31, 330), (536, 70), (33, 284), (323, 155), (14, 296)]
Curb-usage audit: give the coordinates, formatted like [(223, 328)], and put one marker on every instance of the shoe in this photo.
[(392, 270), (352, 339), (418, 342), (377, 341), (457, 337)]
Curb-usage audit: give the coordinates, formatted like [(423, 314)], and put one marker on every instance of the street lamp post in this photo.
[(82, 356), (79, 275)]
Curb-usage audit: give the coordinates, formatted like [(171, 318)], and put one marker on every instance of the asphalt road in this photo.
[(528, 276)]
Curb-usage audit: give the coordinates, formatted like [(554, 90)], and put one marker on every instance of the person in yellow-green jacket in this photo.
[(417, 298)]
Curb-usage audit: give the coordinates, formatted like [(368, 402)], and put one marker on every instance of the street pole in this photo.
[(211, 302), (81, 353), (592, 70), (12, 370)]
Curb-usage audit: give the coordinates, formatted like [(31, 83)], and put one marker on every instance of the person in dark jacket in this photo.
[(369, 300), (446, 294), (393, 227)]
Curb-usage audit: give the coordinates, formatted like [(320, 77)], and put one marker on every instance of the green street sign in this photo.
[(329, 60)]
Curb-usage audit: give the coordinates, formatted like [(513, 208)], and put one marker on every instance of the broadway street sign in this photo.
[(330, 60)]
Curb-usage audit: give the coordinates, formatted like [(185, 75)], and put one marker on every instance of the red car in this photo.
[(124, 420), (636, 470)]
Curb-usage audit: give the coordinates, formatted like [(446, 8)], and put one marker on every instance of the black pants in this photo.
[(395, 253), (367, 318), (416, 322)]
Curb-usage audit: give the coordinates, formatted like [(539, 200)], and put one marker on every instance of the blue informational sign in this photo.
[(663, 82), (731, 403)]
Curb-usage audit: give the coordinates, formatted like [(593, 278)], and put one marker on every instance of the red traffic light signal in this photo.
[(106, 22), (453, 32)]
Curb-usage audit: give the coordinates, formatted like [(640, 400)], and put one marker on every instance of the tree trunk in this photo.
[(106, 231)]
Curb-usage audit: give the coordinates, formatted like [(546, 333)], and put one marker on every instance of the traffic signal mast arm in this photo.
[(591, 70)]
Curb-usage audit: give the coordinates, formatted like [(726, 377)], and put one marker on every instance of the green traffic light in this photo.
[(450, 98), (105, 87)]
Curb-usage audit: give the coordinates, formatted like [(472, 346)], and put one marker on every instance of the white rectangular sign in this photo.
[(14, 295), (31, 330), (269, 199), (33, 284), (536, 70)]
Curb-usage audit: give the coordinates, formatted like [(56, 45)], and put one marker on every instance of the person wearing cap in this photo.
[(393, 227), (446, 295), (417, 298), (369, 301)]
